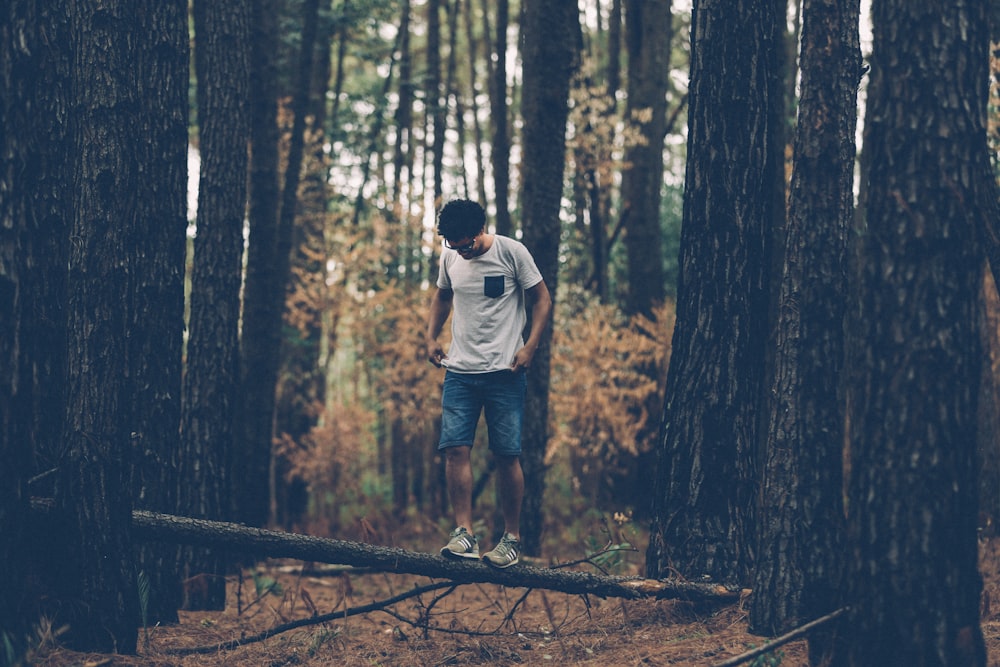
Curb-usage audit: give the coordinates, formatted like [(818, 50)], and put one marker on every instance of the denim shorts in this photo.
[(466, 395)]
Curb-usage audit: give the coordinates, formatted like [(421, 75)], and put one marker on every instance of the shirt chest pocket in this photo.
[(493, 286)]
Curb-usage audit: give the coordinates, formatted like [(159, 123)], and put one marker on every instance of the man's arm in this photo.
[(541, 308), (440, 308)]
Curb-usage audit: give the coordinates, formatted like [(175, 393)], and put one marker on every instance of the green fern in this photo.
[(266, 585), (769, 659), (8, 651), (142, 582)]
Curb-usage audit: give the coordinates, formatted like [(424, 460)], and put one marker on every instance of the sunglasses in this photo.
[(461, 248)]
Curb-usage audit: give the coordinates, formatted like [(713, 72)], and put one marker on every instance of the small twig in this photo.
[(448, 631), (425, 615), (589, 558), (315, 620), (510, 614), (783, 639)]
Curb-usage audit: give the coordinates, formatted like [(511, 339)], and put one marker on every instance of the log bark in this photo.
[(276, 544)]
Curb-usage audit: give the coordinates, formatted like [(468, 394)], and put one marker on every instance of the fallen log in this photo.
[(151, 526)]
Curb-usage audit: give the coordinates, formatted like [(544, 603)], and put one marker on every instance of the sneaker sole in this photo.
[(499, 566), (448, 553)]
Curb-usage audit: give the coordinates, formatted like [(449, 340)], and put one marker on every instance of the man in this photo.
[(487, 281)]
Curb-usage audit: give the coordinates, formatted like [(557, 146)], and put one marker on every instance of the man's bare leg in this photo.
[(510, 477), (458, 474)]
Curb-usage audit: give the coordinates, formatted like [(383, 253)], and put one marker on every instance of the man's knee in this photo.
[(458, 454), (507, 462)]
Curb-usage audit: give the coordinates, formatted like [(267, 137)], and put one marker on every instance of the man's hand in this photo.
[(522, 359), (540, 310), (439, 310), (435, 354)]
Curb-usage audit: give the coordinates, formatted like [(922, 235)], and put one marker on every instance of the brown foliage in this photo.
[(391, 338), (607, 375)]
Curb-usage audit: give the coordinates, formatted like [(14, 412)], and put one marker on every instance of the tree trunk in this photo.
[(261, 340), (42, 194), (211, 380), (800, 532), (34, 70), (158, 305), (295, 393), (404, 114), (648, 35), (94, 493), (474, 64), (551, 33), (304, 387), (434, 99), (14, 446), (705, 486), (498, 115), (912, 497)]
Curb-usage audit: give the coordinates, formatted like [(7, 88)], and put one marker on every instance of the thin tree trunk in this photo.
[(648, 36), (404, 113), (212, 376), (374, 134), (499, 116), (551, 34), (801, 532), (287, 233), (474, 50), (261, 340), (158, 305), (432, 90)]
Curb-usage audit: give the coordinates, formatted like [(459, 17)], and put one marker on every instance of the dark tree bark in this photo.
[(913, 583), (211, 380), (34, 200), (296, 149), (436, 110), (35, 207), (704, 488), (615, 47), (36, 131), (304, 380), (158, 304), (648, 36), (14, 447), (467, 9), (500, 149), (402, 154), (94, 495), (551, 36), (800, 532), (261, 340)]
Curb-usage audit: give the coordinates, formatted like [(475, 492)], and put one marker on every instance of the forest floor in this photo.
[(472, 624)]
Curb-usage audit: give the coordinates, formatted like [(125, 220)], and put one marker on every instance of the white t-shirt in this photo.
[(488, 310)]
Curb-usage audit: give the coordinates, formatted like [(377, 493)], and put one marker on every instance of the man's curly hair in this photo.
[(461, 219)]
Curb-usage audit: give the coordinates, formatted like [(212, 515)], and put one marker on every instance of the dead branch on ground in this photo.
[(277, 544), (779, 641)]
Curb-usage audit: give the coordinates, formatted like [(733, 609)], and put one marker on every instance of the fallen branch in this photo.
[(779, 641), (276, 544)]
